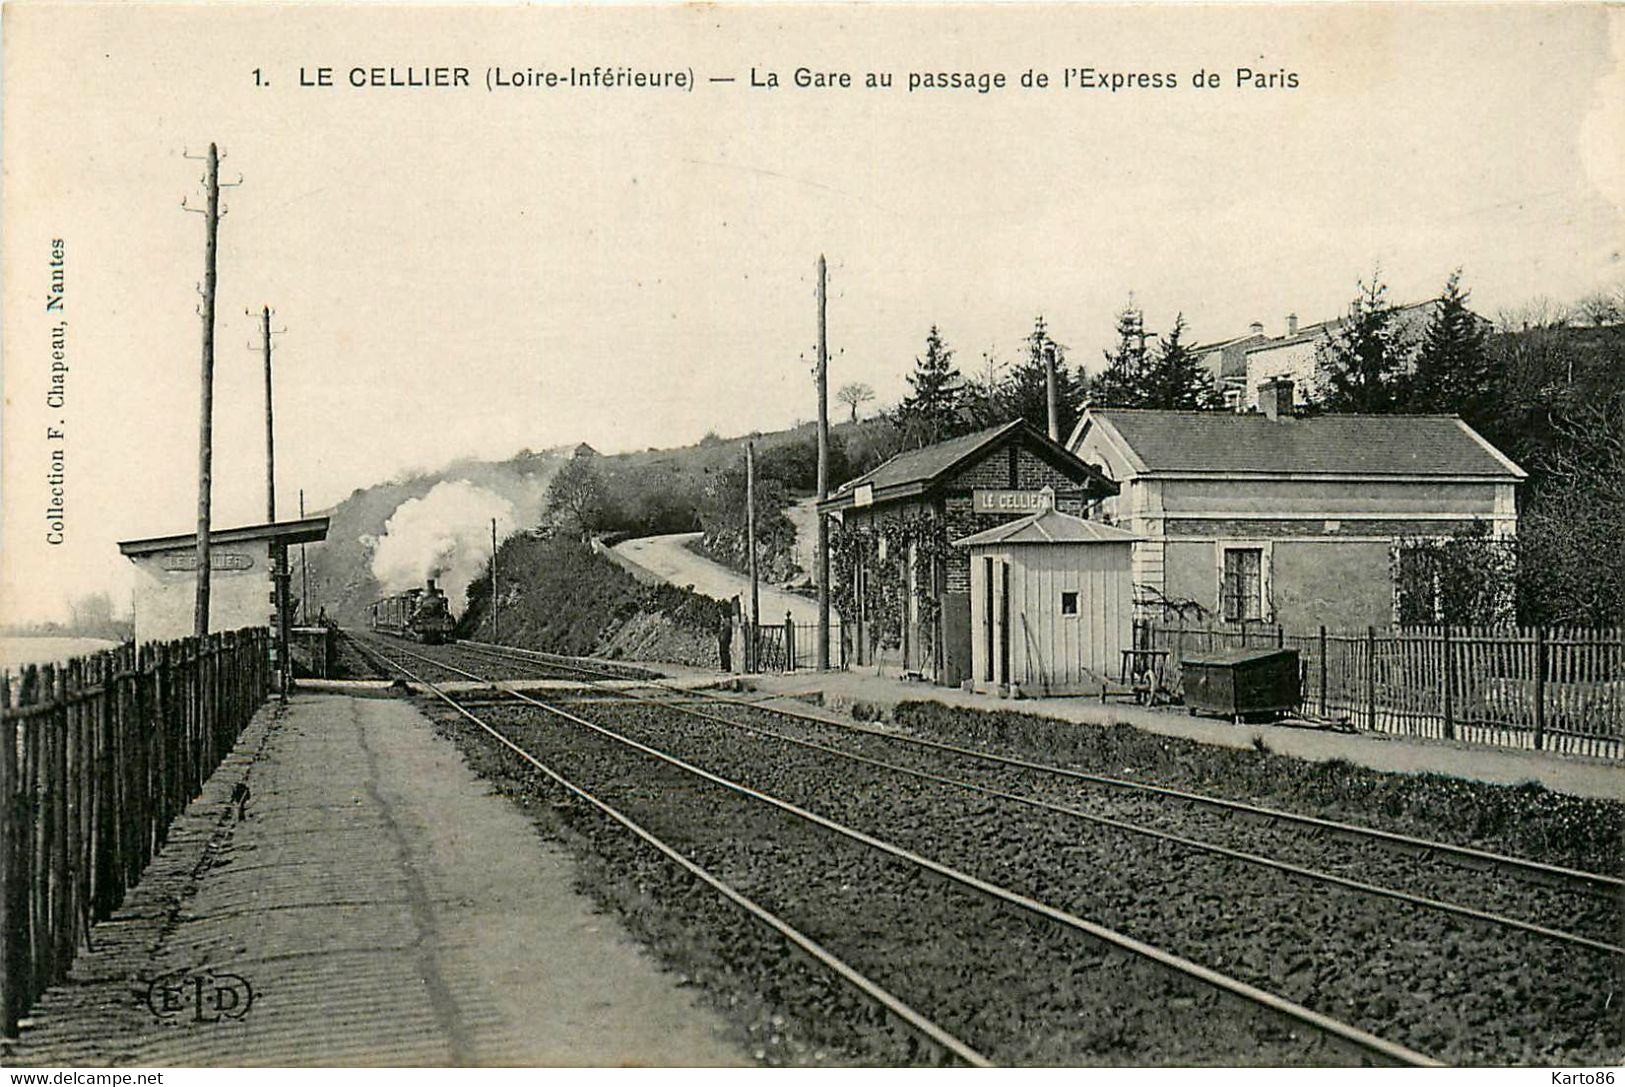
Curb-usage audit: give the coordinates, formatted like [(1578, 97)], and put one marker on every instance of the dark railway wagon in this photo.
[(420, 614)]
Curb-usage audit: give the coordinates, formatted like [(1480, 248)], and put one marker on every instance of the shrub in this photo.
[(1526, 819)]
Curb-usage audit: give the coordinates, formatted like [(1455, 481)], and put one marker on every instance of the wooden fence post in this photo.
[(789, 642), (1540, 688), (56, 771), (10, 835), (1371, 678), (72, 807), (1449, 686), (35, 846)]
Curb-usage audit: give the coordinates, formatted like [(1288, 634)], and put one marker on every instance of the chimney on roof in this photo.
[(1275, 397), (1256, 328), (1050, 394), (1292, 324)]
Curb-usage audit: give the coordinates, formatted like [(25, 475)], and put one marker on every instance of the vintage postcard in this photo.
[(813, 535)]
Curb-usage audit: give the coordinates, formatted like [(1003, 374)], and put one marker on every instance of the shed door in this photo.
[(988, 641), (1004, 622)]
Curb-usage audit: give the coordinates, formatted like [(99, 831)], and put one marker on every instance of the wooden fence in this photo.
[(97, 756), (1549, 689)]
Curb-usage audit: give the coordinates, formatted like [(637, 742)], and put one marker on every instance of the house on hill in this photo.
[(1288, 519), (1240, 366), (1226, 362), (903, 590), (1294, 355)]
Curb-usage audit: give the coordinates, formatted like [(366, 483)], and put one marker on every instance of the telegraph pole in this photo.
[(270, 430), (750, 550), (823, 472), (281, 576), (304, 568), (496, 629), (200, 614)]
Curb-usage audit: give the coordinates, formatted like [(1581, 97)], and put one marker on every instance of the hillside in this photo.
[(441, 519), (342, 576), (560, 597)]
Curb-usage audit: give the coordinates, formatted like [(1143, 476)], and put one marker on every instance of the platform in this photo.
[(1387, 752), (381, 906)]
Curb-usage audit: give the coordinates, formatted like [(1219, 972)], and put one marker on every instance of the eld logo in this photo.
[(201, 995)]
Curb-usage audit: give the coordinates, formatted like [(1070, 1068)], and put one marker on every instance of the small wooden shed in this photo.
[(1052, 604)]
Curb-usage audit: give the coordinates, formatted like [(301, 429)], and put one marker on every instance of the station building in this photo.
[(903, 589), (1282, 518), (242, 586)]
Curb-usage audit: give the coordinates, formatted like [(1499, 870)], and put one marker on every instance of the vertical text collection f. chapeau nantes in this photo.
[(56, 399)]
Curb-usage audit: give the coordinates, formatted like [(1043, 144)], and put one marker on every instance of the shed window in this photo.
[(1069, 603), (1243, 586)]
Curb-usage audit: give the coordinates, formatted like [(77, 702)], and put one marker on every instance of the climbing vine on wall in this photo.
[(880, 550), (1465, 579)]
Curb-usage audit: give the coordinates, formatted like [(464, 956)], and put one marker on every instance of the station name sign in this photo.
[(985, 501), (218, 560)]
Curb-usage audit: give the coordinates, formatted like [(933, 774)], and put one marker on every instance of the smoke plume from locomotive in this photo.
[(445, 535)]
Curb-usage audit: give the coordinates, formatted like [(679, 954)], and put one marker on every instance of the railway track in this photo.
[(1594, 954), (1299, 1019), (861, 984), (1603, 886)]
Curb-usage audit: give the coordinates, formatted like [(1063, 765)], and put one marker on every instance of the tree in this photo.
[(1174, 380), (576, 498), (931, 412), (1360, 366), (854, 393), (1453, 366), (1122, 383), (1600, 308), (1024, 392), (981, 402), (724, 521), (1572, 533), (1541, 312)]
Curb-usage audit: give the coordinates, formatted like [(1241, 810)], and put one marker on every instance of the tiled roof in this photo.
[(917, 470), (1204, 348), (1223, 442), (920, 465), (1049, 526), (1304, 333)]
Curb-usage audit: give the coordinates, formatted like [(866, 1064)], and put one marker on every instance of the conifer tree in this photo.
[(1454, 373), (1174, 379), (1360, 367), (1025, 391), (930, 413), (1122, 383)]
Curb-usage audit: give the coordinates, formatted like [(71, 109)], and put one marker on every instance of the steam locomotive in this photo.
[(420, 614)]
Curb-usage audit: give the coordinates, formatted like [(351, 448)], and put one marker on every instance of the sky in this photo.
[(471, 272)]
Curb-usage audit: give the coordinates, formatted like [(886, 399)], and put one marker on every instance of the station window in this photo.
[(1242, 584), (1069, 603)]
